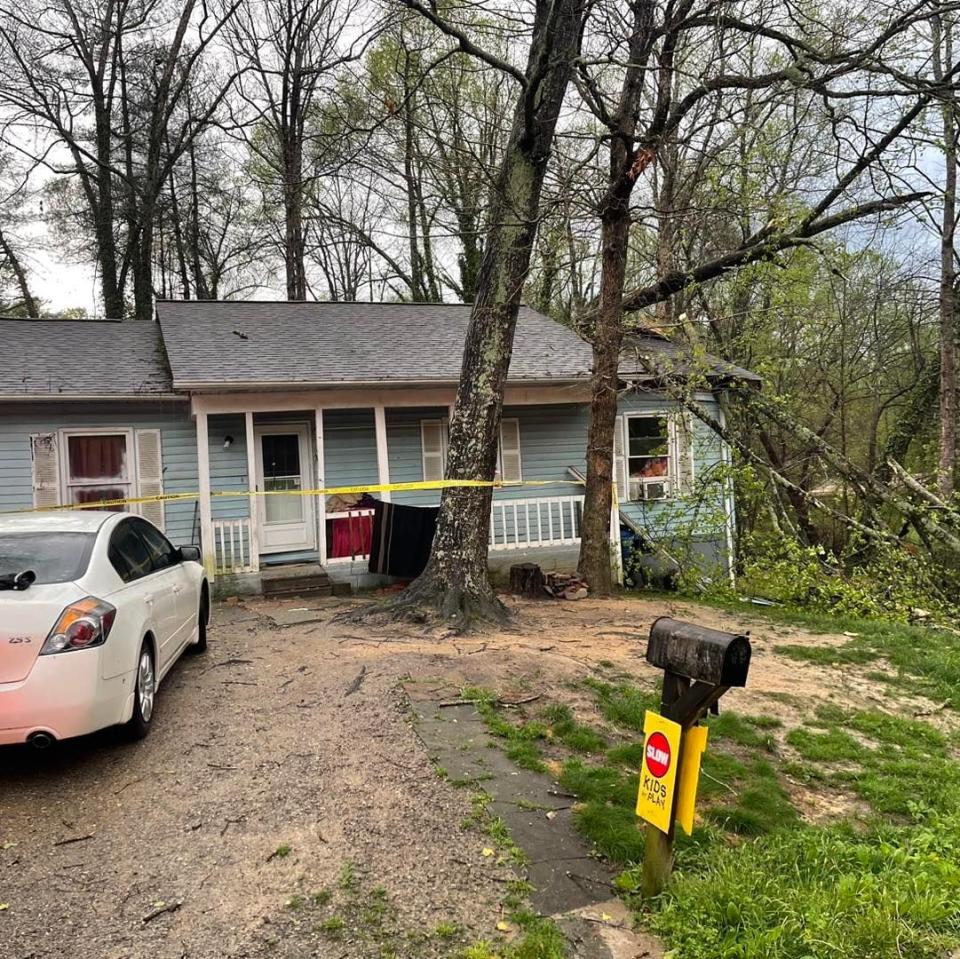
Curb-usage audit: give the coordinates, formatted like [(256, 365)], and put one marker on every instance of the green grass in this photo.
[(623, 704), (754, 881), (805, 893)]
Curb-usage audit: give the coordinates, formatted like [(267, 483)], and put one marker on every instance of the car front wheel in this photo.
[(145, 692)]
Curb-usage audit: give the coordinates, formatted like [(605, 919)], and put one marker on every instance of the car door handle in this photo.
[(178, 589), (148, 599)]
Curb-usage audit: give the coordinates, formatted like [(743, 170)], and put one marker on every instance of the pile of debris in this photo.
[(566, 586), (527, 579)]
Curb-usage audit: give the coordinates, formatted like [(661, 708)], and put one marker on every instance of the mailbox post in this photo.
[(699, 665)]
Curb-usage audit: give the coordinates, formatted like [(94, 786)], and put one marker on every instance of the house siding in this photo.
[(552, 440), (177, 438)]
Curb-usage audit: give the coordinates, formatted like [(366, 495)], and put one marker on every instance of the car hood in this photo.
[(26, 618)]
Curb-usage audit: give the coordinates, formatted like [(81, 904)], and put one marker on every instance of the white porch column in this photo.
[(321, 482), (615, 542), (252, 487), (383, 459), (209, 548)]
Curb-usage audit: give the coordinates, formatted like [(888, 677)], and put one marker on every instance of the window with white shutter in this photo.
[(682, 441), (150, 474), (97, 465), (433, 445), (45, 461), (619, 460), (509, 468)]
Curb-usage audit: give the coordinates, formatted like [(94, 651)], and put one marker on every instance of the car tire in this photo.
[(144, 693), (203, 618)]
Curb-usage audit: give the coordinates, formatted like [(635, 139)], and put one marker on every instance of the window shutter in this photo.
[(683, 453), (150, 475), (45, 457), (509, 466), (620, 460), (432, 447)]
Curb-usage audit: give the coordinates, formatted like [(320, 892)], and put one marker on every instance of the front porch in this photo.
[(248, 443)]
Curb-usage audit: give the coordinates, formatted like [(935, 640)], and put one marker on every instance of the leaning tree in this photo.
[(455, 585)]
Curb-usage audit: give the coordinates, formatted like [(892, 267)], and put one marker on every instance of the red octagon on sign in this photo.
[(658, 755)]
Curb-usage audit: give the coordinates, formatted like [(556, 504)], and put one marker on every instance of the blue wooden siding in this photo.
[(177, 438), (552, 439), (700, 512), (349, 448)]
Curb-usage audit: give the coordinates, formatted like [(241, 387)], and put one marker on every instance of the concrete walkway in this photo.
[(570, 883)]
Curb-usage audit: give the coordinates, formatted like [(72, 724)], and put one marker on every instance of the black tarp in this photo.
[(402, 537)]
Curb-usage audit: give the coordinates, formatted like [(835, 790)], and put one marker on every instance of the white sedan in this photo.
[(95, 608)]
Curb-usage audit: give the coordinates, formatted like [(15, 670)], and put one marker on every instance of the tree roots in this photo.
[(429, 601)]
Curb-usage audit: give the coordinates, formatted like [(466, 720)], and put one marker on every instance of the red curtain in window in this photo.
[(97, 457)]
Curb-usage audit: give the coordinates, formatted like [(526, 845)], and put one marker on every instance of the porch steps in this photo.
[(300, 579)]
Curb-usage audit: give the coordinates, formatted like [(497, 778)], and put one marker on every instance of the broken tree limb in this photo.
[(913, 484)]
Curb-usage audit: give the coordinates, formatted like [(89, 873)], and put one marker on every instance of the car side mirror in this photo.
[(189, 554)]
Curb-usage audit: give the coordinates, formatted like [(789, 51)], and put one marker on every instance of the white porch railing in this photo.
[(231, 540), (529, 523), (514, 524)]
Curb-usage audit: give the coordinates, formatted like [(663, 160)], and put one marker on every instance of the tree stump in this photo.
[(526, 579)]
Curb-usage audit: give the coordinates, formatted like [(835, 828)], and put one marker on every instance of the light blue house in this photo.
[(222, 398)]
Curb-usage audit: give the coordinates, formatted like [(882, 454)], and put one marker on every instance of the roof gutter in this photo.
[(359, 384), (93, 397)]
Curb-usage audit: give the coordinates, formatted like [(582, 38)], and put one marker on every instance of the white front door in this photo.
[(284, 463)]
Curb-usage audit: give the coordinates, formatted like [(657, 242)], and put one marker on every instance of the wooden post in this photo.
[(252, 487), (657, 861), (321, 482), (208, 546), (383, 459)]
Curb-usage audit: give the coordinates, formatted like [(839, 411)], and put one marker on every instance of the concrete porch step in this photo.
[(295, 580)]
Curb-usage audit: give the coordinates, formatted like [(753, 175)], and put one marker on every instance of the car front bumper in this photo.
[(64, 695)]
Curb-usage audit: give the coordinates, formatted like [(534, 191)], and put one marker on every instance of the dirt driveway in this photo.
[(284, 804)]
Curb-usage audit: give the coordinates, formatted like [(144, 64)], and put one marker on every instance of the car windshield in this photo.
[(55, 557)]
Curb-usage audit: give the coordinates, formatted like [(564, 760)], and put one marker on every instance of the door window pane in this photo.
[(282, 471)]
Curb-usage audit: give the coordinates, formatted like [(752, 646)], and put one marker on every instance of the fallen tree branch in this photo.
[(161, 909)]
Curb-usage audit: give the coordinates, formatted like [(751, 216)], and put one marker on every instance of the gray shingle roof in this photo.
[(641, 355), (81, 358), (232, 344)]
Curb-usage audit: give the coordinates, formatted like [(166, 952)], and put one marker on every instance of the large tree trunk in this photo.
[(293, 240), (456, 583), (626, 165), (594, 564), (943, 63)]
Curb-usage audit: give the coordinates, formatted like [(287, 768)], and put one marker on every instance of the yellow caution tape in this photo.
[(321, 491)]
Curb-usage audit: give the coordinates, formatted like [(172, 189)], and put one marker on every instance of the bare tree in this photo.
[(290, 56), (105, 84), (942, 24)]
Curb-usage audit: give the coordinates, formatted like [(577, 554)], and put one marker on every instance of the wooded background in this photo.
[(770, 181)]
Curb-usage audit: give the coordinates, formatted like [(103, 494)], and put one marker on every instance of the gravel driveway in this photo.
[(282, 805)]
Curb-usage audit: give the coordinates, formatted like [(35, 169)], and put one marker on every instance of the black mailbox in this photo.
[(697, 653)]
